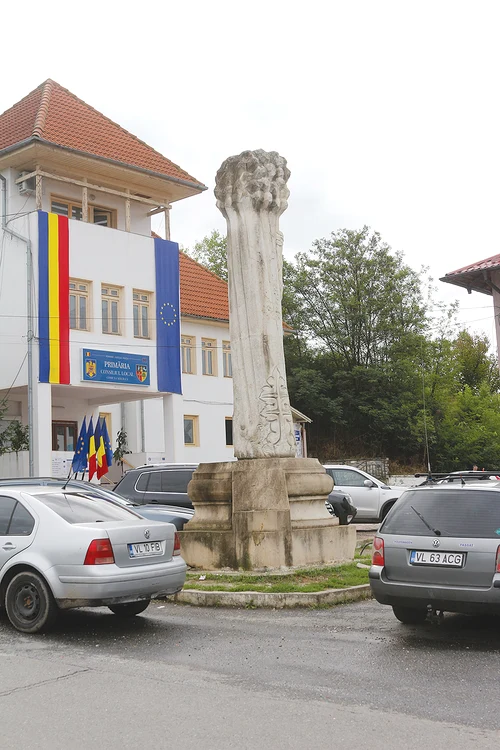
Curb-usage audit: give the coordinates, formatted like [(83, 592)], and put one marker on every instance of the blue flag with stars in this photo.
[(79, 462), (168, 328)]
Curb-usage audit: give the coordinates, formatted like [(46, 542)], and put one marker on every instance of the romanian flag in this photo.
[(102, 464), (53, 285), (92, 457)]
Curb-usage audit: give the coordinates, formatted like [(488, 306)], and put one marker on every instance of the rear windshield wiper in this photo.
[(434, 531)]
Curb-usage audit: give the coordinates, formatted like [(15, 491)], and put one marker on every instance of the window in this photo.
[(141, 314), (14, 518), (142, 483), (79, 304), (176, 481), (191, 430), (154, 484), (229, 431), (7, 505), (21, 523), (67, 208), (461, 512), (101, 216), (164, 481), (110, 296), (76, 508), (105, 217), (209, 356), (348, 478), (188, 354), (64, 436), (105, 416), (227, 364)]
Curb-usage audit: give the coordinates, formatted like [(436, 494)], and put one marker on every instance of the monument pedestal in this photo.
[(263, 513)]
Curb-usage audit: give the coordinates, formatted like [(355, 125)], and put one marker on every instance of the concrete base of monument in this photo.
[(263, 513)]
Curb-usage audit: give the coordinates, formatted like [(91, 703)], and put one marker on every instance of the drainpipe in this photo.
[(143, 428), (30, 332)]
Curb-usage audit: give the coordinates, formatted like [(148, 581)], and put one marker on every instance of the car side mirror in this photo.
[(368, 483)]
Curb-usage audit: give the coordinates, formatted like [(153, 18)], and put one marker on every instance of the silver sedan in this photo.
[(61, 548)]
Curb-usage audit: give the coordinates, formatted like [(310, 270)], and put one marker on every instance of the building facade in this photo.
[(86, 330), (66, 171)]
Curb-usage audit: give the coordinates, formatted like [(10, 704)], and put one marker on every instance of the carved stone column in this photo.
[(267, 510), (252, 194)]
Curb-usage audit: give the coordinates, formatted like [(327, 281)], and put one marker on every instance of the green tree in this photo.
[(475, 364), (211, 252), (357, 298)]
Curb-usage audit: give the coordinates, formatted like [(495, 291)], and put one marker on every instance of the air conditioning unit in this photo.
[(26, 186)]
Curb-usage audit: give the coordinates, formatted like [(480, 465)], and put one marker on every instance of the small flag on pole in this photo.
[(91, 451), (79, 462), (107, 443), (102, 466)]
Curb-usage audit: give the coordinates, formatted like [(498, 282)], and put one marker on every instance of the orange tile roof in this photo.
[(203, 294), (54, 115)]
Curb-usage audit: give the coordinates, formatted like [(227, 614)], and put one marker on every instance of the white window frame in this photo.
[(80, 294), (188, 352), (107, 294), (209, 357), (142, 300), (227, 361)]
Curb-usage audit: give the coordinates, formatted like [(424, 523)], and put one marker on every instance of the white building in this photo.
[(79, 298), (59, 157)]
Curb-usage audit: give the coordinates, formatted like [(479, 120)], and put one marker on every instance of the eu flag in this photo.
[(107, 443), (168, 329), (79, 462)]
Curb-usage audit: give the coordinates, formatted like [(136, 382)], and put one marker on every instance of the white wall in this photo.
[(13, 305), (210, 398), (126, 259)]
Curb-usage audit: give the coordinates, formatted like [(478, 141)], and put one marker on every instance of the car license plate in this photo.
[(145, 549), (451, 559)]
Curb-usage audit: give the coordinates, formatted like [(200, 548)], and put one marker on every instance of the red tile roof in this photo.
[(53, 114), (203, 294), (481, 265)]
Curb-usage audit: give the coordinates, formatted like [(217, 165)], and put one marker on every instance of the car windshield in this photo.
[(84, 508), (455, 513)]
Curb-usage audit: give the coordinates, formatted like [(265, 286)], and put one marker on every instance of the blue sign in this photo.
[(115, 367)]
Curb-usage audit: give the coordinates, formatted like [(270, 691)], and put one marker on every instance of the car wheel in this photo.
[(130, 609), (410, 616), (29, 603)]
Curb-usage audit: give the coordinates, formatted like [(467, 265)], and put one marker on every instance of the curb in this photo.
[(276, 601)]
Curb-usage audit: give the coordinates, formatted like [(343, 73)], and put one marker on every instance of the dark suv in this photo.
[(164, 484)]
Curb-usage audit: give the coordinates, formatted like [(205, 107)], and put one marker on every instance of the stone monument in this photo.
[(267, 509)]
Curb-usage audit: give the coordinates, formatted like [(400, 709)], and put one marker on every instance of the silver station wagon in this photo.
[(439, 550), (62, 548)]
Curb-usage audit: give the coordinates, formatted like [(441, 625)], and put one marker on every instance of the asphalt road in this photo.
[(179, 677)]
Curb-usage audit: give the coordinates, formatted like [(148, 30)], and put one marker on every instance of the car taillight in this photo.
[(497, 567), (100, 552), (378, 552), (177, 544)]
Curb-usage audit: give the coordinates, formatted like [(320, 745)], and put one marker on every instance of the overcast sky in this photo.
[(387, 112)]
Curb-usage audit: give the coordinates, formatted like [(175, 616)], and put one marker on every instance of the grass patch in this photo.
[(306, 579)]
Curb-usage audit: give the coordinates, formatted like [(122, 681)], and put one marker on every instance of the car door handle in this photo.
[(9, 546)]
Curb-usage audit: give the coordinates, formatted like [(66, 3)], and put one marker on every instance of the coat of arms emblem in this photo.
[(141, 372), (91, 368)]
